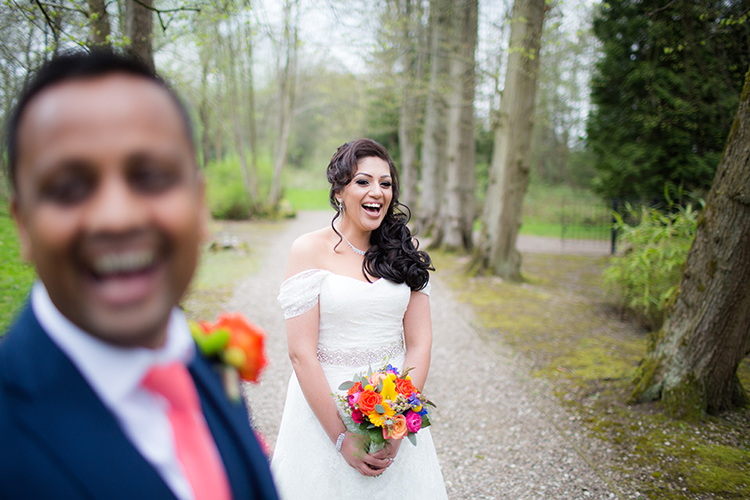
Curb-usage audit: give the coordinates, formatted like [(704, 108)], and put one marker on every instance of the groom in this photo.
[(110, 210)]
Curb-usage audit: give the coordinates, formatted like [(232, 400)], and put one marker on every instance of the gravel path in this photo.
[(498, 433)]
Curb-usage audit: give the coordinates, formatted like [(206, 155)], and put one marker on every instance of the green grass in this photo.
[(308, 199), (16, 277)]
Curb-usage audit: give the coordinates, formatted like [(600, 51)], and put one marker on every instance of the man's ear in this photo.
[(23, 232)]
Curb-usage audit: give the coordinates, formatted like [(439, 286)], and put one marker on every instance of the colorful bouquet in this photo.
[(383, 405), (239, 346)]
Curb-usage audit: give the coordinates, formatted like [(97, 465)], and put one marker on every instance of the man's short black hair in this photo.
[(81, 65)]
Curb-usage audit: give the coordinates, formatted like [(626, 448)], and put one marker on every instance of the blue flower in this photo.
[(391, 368), (416, 405)]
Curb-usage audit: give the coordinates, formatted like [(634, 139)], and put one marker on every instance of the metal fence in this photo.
[(587, 224), (592, 224)]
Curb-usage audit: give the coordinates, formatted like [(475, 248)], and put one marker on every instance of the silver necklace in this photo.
[(354, 249)]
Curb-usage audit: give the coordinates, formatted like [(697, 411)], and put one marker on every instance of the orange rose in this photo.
[(246, 344), (368, 400), (398, 429), (404, 387)]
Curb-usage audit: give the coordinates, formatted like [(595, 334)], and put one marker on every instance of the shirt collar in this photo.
[(113, 372)]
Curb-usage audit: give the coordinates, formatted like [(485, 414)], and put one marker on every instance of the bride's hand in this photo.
[(389, 452), (353, 452)]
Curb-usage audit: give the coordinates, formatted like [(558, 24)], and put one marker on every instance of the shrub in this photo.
[(228, 201), (225, 190), (647, 275)]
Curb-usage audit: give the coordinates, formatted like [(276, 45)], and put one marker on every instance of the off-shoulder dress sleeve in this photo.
[(426, 289), (299, 293)]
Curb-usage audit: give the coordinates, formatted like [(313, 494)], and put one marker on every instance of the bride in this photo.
[(356, 296)]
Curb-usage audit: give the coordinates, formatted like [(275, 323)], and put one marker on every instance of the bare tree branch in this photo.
[(159, 12), (50, 24), (661, 8), (62, 7)]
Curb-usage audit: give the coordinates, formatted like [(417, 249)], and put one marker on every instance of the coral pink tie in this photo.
[(193, 442)]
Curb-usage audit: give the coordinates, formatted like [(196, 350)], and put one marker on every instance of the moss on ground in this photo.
[(561, 322), (221, 269)]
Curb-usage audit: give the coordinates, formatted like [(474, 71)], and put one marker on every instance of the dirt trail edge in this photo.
[(498, 433)]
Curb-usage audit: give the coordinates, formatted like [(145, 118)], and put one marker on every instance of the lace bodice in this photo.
[(355, 316)]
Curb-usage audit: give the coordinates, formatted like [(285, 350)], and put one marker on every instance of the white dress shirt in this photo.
[(115, 374)]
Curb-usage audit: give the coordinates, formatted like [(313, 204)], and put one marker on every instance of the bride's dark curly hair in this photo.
[(393, 254)]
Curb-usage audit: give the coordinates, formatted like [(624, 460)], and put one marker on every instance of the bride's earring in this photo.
[(340, 204)]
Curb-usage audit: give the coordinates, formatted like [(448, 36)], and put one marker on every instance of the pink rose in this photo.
[(357, 416), (376, 378), (413, 421), (353, 399)]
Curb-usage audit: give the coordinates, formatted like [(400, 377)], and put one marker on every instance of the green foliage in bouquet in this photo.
[(647, 276)]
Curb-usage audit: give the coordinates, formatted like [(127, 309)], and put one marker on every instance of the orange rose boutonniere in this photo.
[(239, 346)]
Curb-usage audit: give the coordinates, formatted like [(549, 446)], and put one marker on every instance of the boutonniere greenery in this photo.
[(238, 347)]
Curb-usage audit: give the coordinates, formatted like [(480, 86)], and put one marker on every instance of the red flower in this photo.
[(356, 388), (357, 416)]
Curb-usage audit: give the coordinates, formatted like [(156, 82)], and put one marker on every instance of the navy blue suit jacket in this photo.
[(58, 441)]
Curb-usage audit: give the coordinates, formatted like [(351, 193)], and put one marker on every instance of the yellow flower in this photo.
[(378, 419), (389, 389)]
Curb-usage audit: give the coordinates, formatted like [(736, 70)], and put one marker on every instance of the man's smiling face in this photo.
[(109, 204)]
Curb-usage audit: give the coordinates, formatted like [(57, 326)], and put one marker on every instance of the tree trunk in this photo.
[(433, 141), (204, 112), (138, 28), (234, 57), (99, 24), (252, 129), (692, 363), (457, 211), (509, 171), (407, 139), (411, 75), (287, 84)]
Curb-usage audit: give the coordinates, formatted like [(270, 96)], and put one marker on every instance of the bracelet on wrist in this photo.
[(340, 441)]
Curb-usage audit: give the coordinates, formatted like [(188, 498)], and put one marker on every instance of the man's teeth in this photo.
[(124, 262)]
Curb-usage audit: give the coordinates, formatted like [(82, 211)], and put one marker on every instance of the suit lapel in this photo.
[(56, 404), (244, 461)]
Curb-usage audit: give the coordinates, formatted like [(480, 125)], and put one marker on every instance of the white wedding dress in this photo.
[(361, 326)]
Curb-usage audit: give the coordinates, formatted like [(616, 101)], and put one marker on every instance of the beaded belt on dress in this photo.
[(360, 358)]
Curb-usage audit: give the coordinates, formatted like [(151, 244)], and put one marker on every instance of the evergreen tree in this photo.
[(665, 92)]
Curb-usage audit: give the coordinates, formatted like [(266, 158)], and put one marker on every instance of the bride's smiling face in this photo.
[(369, 194)]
